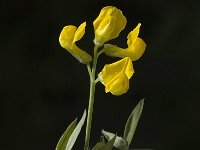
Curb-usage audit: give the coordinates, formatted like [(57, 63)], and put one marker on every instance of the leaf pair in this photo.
[(69, 137), (119, 143), (105, 146), (130, 127)]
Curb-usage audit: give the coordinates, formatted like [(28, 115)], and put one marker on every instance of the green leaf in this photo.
[(103, 140), (99, 144), (108, 145), (75, 133), (119, 143), (65, 137), (132, 122)]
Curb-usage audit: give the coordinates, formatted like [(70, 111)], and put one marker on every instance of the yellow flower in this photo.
[(108, 24), (136, 46), (68, 36), (115, 76)]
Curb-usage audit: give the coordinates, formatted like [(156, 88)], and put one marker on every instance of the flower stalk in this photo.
[(115, 76), (92, 73)]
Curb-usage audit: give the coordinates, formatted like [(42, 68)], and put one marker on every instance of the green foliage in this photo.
[(105, 146), (132, 122), (119, 143), (99, 144), (108, 145), (65, 137), (130, 127), (69, 137)]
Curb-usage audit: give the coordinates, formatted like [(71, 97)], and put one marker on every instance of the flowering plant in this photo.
[(115, 77)]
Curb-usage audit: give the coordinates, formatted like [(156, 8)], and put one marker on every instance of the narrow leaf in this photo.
[(65, 137), (99, 144), (108, 145), (75, 133), (103, 140), (132, 122)]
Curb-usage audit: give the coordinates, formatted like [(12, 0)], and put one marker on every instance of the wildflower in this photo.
[(115, 76), (68, 36), (108, 24), (136, 46)]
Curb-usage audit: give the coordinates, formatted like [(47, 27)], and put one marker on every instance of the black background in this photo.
[(43, 88)]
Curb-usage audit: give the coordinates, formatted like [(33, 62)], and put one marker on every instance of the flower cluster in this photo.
[(107, 26), (115, 76)]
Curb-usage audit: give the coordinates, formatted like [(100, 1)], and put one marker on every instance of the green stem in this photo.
[(89, 70), (91, 98)]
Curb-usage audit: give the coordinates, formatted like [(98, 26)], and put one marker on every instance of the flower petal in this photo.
[(136, 47), (120, 25), (119, 86), (79, 32), (132, 36), (105, 29), (68, 36), (108, 24), (136, 50), (110, 71), (115, 76)]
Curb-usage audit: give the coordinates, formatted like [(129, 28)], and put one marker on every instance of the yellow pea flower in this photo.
[(115, 76), (108, 24), (136, 46), (68, 36)]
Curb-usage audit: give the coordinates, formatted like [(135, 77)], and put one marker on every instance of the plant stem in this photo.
[(91, 98)]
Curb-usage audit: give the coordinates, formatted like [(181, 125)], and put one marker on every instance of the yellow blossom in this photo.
[(115, 76), (136, 46), (108, 24), (68, 36)]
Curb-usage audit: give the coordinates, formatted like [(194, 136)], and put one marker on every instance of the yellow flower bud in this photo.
[(68, 36), (108, 24), (115, 76), (136, 46)]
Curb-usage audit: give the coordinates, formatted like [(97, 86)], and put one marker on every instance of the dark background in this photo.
[(43, 88)]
